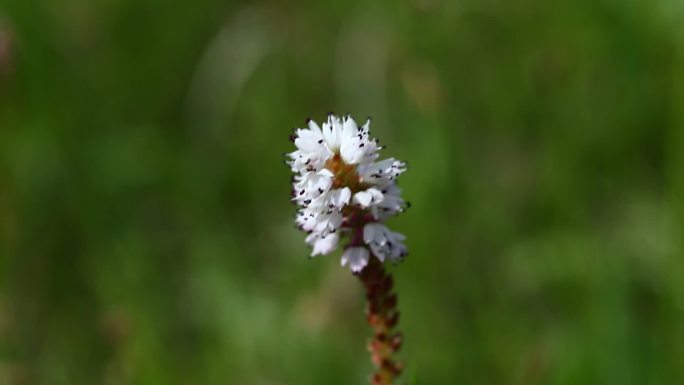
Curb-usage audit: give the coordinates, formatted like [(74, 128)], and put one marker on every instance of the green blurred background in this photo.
[(146, 235)]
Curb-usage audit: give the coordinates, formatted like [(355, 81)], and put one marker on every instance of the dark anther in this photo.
[(301, 192), (306, 202), (320, 141), (361, 145), (320, 190)]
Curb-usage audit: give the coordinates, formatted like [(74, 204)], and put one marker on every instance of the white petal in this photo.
[(366, 126), (382, 172), (356, 258), (326, 172), (362, 198), (315, 181), (369, 197), (378, 251), (335, 220), (352, 150), (325, 245), (398, 236), (331, 133), (371, 232), (313, 126), (349, 129), (383, 242), (306, 145), (308, 140), (337, 127), (340, 197), (328, 221)]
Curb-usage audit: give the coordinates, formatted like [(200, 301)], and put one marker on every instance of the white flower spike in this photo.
[(342, 191)]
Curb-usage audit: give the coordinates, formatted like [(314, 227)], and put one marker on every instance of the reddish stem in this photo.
[(383, 316)]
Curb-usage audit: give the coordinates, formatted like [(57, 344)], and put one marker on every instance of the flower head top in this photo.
[(342, 190)]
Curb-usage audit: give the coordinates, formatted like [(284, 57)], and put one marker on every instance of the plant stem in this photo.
[(383, 316)]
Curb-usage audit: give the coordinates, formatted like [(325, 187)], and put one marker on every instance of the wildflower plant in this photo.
[(344, 195)]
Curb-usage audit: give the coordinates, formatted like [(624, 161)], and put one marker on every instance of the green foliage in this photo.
[(145, 230)]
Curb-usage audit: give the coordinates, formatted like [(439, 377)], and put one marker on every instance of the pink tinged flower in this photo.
[(356, 258)]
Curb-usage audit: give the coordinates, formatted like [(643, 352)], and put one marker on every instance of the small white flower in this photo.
[(343, 191), (313, 184), (320, 222), (384, 243), (391, 203), (369, 197), (340, 197), (381, 173), (323, 245), (356, 258)]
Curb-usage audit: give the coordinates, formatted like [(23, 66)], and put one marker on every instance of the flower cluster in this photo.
[(342, 190)]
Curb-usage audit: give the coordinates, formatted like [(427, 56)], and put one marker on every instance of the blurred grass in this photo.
[(146, 236)]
